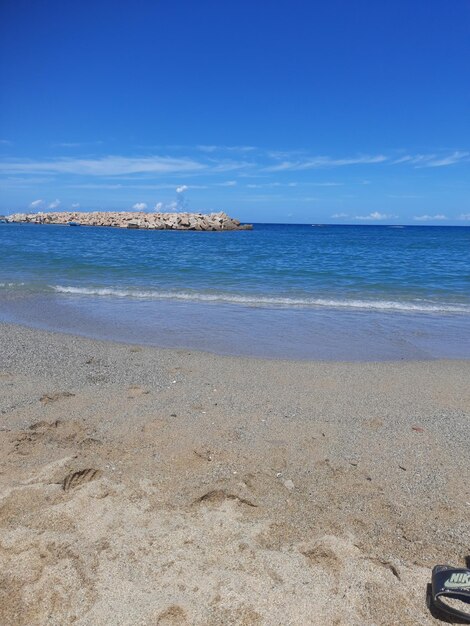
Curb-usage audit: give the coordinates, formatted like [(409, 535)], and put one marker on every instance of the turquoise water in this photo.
[(295, 291)]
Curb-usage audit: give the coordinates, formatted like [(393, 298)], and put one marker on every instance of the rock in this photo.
[(152, 221)]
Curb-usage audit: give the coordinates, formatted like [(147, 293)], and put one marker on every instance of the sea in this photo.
[(282, 291)]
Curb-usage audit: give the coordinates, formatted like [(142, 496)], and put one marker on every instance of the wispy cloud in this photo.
[(106, 166), (430, 218), (103, 186), (414, 159), (451, 159), (129, 184), (181, 188), (213, 160), (464, 217), (25, 181), (434, 160), (309, 199), (75, 205), (5, 142), (228, 183), (375, 216), (325, 161), (54, 204), (76, 144), (306, 183), (264, 185), (212, 148), (229, 166), (139, 206), (339, 216), (36, 204)]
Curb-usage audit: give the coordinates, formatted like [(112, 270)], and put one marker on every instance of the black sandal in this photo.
[(454, 583)]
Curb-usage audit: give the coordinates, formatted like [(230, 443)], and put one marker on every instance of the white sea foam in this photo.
[(260, 301), (10, 285)]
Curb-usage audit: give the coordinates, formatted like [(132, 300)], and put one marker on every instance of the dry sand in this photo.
[(224, 490)]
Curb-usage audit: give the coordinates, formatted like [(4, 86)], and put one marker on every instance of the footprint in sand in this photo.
[(135, 391), (41, 434), (53, 397), (323, 556), (75, 479), (172, 616), (217, 496)]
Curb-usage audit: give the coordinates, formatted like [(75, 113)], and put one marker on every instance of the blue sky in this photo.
[(299, 111)]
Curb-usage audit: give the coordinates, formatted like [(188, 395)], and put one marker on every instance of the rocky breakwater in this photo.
[(149, 221)]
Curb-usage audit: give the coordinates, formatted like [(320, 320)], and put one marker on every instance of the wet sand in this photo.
[(148, 486)]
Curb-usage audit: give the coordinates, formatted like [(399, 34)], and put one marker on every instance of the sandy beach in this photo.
[(142, 486)]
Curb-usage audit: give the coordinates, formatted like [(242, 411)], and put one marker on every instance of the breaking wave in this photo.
[(266, 301)]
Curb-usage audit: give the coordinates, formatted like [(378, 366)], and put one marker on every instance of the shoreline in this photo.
[(217, 486), (171, 350), (298, 334), (77, 336)]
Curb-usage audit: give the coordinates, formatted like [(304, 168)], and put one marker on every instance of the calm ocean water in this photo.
[(293, 291)]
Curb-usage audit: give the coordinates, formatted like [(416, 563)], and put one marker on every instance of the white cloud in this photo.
[(228, 183), (416, 159), (54, 205), (229, 166), (77, 144), (264, 185), (75, 205), (434, 160), (101, 186), (375, 216), (170, 207), (451, 159), (35, 204), (25, 181), (209, 148), (181, 188), (139, 206), (338, 216), (465, 217), (428, 218), (106, 166), (325, 161)]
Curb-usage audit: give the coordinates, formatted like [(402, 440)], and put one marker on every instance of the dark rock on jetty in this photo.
[(150, 221)]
